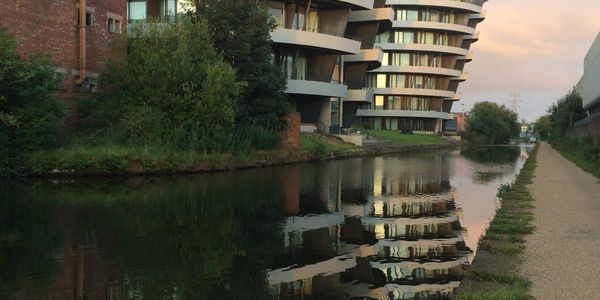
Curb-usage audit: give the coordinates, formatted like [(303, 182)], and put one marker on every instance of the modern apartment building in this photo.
[(79, 53), (311, 41), (425, 52)]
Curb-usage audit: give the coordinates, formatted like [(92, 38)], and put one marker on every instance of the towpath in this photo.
[(562, 258)]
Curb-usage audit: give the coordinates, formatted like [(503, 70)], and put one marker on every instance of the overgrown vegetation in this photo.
[(30, 116), (403, 138), (504, 241), (583, 152), (490, 123), (171, 89)]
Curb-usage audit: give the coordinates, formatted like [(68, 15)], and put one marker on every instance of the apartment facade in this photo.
[(310, 44), (79, 53), (425, 52)]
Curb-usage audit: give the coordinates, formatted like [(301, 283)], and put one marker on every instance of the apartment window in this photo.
[(136, 11), (275, 10), (383, 37), (114, 25), (404, 37), (379, 101), (407, 15)]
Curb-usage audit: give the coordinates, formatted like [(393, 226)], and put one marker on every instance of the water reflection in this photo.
[(390, 231), (377, 228)]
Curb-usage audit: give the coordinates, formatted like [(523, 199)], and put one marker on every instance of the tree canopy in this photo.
[(241, 33), (564, 112), (490, 123)]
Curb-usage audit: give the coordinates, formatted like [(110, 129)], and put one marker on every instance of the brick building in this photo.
[(52, 27)]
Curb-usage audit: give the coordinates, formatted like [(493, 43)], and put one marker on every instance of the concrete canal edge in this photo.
[(495, 271)]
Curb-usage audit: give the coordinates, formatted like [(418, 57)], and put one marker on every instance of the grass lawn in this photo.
[(320, 144), (402, 138)]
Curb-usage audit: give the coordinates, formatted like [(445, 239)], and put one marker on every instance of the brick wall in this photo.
[(51, 27), (290, 137)]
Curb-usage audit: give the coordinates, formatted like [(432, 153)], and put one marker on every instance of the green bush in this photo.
[(30, 116), (172, 88)]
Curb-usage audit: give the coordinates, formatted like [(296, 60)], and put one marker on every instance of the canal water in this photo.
[(392, 227)]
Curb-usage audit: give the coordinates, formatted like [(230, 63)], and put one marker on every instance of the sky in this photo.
[(534, 48)]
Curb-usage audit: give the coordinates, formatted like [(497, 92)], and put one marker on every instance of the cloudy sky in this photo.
[(532, 47)]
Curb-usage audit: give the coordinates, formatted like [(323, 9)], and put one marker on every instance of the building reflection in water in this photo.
[(379, 228)]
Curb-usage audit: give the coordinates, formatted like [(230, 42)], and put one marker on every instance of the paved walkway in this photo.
[(563, 255)]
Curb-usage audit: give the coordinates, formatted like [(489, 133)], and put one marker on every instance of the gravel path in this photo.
[(562, 258)]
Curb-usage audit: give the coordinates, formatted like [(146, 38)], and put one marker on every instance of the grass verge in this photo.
[(494, 274), (584, 154), (321, 146), (124, 160), (402, 138)]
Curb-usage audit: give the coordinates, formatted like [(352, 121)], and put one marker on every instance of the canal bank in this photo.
[(495, 273), (127, 162)]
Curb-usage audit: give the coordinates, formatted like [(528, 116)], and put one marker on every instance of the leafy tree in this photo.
[(543, 125), (490, 123), (30, 116), (241, 32), (171, 88), (564, 112)]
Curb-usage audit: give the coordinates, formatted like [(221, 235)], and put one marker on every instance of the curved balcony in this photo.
[(462, 77), (473, 37), (364, 4), (458, 5), (316, 88), (407, 114), (466, 57), (423, 48), (372, 15), (318, 40), (418, 70), (434, 26), (362, 95), (366, 55), (414, 92), (479, 17)]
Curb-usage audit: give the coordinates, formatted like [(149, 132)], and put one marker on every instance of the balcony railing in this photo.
[(317, 30)]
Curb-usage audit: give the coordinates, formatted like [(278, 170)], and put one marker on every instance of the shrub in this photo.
[(172, 88), (30, 116)]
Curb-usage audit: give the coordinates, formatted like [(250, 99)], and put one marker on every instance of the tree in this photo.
[(564, 112), (30, 116), (543, 125), (172, 88), (490, 123), (241, 32)]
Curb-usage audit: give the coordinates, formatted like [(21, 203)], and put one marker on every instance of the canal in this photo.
[(394, 227)]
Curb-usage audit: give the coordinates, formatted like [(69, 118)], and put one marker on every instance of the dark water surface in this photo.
[(392, 227)]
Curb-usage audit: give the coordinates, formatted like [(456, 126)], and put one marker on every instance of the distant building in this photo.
[(589, 89)]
